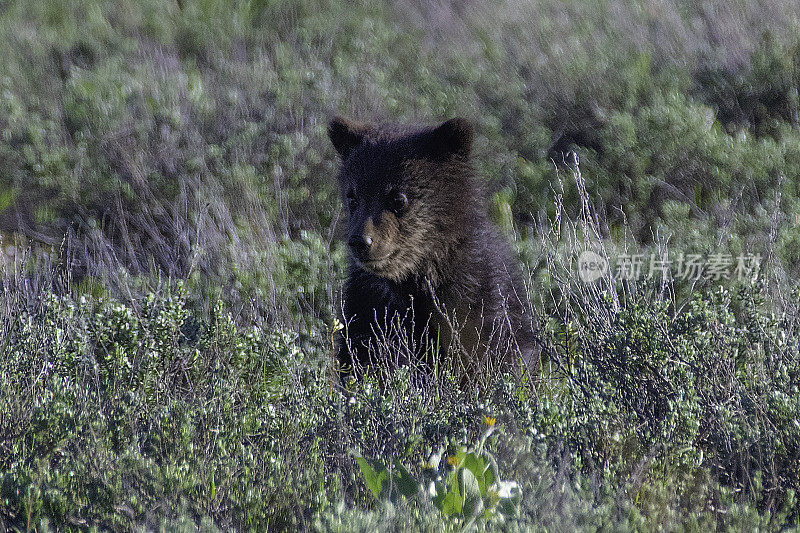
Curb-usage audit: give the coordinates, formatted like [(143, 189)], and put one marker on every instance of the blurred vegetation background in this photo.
[(169, 221), (188, 136)]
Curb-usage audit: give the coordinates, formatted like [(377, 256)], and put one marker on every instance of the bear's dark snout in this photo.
[(360, 246)]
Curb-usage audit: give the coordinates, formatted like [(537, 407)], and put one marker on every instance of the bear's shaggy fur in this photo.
[(430, 279)]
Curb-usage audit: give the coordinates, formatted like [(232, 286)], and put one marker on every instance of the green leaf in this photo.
[(461, 453), (373, 478), (448, 496), (482, 471), (472, 501), (406, 484)]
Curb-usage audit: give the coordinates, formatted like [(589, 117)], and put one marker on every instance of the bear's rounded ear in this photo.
[(345, 134), (453, 136)]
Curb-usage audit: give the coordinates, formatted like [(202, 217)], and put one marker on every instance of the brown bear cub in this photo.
[(431, 281)]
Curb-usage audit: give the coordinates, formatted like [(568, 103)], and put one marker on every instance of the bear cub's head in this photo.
[(409, 193)]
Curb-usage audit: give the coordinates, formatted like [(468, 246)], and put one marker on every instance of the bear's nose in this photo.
[(360, 245)]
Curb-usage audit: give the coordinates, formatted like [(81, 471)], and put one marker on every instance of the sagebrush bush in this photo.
[(120, 412)]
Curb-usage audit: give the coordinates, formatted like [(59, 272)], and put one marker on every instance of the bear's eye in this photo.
[(352, 201), (399, 203)]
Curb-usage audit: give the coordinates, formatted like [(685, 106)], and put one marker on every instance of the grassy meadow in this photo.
[(171, 264)]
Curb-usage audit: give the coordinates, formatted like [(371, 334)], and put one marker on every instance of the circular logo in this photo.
[(591, 266)]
